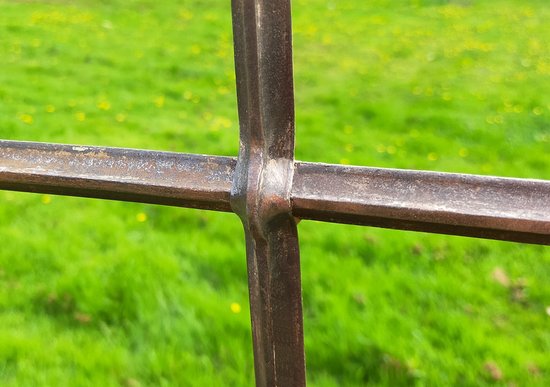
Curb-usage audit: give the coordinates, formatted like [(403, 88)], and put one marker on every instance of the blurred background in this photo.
[(100, 293)]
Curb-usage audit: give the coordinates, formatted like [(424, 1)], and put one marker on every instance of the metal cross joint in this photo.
[(268, 189)]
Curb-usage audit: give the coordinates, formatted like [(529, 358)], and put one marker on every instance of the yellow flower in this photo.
[(223, 90), (50, 108), (220, 122), (26, 118), (46, 199), (196, 49), (235, 307), (159, 101), (311, 30), (80, 116), (103, 105), (186, 15), (141, 217), (432, 156)]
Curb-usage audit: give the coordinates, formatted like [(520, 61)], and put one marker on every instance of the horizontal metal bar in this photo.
[(445, 203), (176, 179)]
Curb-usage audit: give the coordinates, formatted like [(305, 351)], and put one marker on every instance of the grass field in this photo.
[(99, 293)]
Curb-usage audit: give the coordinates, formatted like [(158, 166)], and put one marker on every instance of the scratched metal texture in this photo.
[(176, 179), (261, 187), (444, 203)]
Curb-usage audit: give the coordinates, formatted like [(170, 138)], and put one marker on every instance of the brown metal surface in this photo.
[(445, 203), (262, 184), (175, 179), (266, 188)]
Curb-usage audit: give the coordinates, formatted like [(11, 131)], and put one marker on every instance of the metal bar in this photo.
[(482, 206), (175, 179), (261, 187), (446, 203)]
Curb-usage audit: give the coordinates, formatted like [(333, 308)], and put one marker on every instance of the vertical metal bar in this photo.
[(261, 187)]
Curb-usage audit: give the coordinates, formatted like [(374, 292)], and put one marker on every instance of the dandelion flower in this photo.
[(103, 105), (26, 118), (159, 101), (432, 156), (235, 307)]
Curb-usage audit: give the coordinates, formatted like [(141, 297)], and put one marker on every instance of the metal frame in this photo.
[(268, 189)]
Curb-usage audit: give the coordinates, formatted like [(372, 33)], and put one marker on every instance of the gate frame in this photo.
[(269, 190)]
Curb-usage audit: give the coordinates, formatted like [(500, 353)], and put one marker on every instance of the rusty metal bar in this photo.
[(175, 179), (445, 203), (262, 184), (481, 206)]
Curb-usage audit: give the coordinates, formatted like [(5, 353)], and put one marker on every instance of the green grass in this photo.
[(99, 293)]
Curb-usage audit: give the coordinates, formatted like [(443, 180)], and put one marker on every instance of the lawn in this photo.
[(102, 293)]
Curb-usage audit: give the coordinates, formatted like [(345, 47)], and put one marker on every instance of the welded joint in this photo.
[(261, 189)]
